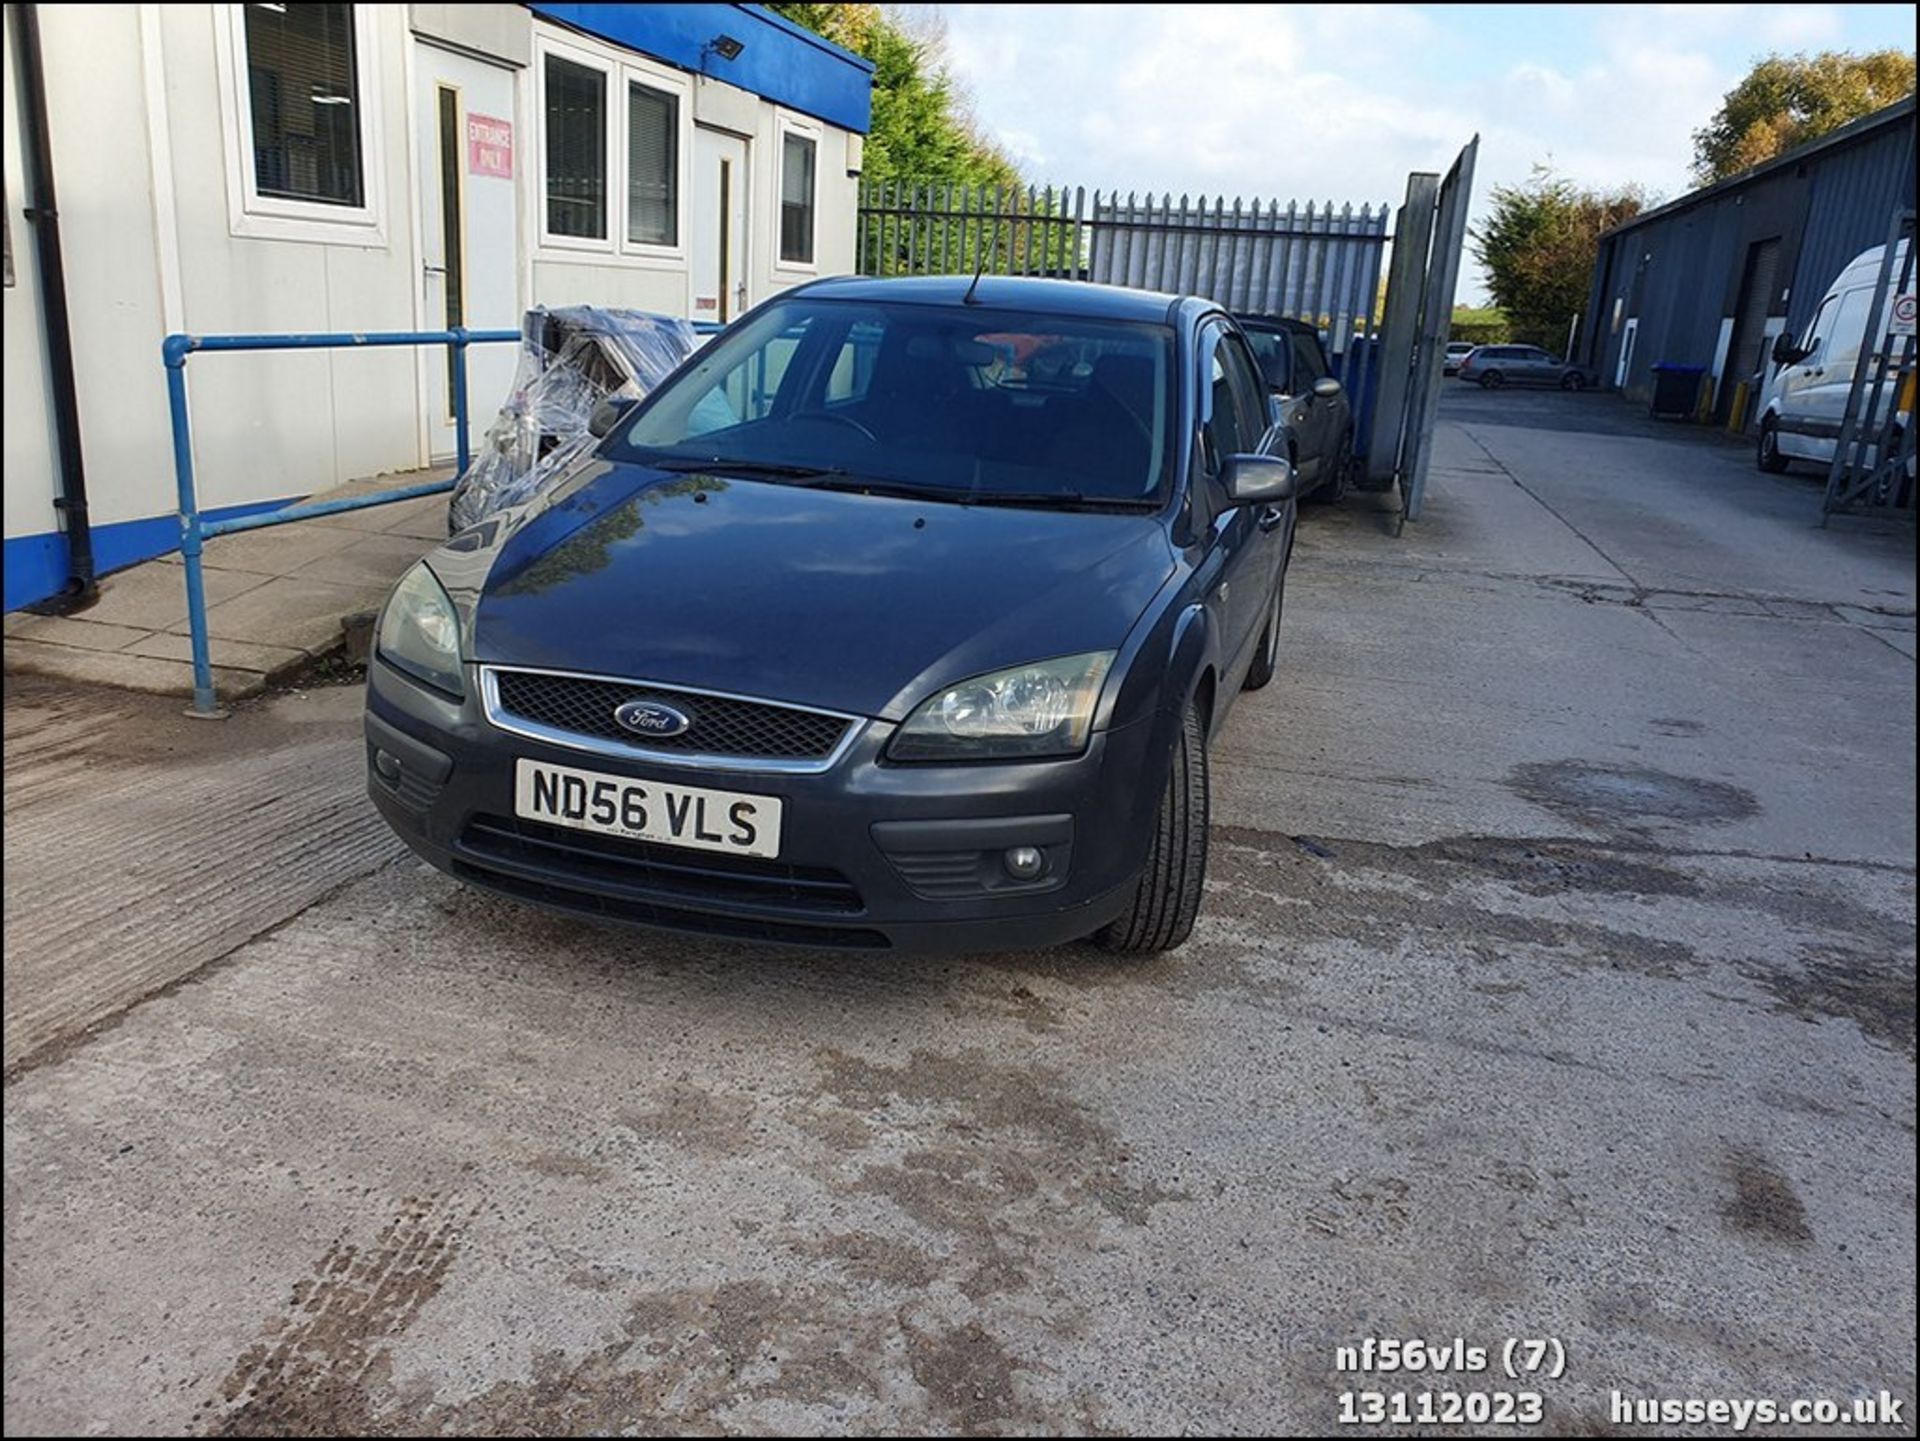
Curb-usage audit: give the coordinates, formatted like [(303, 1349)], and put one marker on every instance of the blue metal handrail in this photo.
[(193, 530)]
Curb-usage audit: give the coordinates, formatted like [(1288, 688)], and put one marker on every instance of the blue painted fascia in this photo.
[(36, 565), (781, 61)]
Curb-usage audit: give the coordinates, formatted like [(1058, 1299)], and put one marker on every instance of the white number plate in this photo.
[(673, 815)]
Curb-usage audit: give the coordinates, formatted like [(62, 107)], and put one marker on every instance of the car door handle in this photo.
[(1271, 517)]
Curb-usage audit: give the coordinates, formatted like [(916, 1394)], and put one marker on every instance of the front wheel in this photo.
[(1572, 380), (1166, 899), (1769, 457), (1492, 380)]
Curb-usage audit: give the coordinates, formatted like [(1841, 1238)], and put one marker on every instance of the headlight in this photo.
[(1044, 709), (420, 633)]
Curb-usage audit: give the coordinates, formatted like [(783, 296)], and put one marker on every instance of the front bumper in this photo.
[(873, 856)]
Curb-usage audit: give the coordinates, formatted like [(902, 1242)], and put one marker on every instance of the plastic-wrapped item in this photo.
[(570, 360)]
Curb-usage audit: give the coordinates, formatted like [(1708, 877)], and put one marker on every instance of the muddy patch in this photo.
[(698, 1120), (1430, 898), (967, 1372), (689, 1361), (866, 1256), (1628, 796), (1539, 868), (1872, 988), (988, 1146), (1763, 1202), (999, 1166), (311, 1371)]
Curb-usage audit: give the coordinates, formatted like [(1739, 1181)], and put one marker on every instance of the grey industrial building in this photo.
[(1709, 279)]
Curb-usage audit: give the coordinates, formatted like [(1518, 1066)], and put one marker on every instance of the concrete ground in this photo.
[(276, 598), (1556, 980)]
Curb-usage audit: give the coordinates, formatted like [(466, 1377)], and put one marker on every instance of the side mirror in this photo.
[(1258, 480), (1326, 387), (1785, 352), (608, 413)]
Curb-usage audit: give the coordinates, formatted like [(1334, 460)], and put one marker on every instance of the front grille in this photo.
[(646, 913), (641, 870), (721, 726)]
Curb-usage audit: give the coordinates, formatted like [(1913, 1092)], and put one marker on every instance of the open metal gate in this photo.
[(1873, 459), (1316, 263), (1435, 252)]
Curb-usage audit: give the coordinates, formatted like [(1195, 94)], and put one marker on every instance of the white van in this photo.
[(1807, 393)]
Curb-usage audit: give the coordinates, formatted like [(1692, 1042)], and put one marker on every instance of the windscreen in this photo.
[(947, 400)]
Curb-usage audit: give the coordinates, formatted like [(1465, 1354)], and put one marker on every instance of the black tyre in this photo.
[(1492, 380), (1768, 456), (1267, 659), (1334, 487), (1167, 897), (1573, 380)]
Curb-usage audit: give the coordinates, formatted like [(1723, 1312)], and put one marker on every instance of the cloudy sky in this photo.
[(1317, 102)]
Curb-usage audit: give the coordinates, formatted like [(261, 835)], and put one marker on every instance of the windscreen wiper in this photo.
[(961, 495), (720, 465), (1057, 500)]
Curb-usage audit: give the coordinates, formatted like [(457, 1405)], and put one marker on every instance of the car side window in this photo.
[(1220, 421), (747, 391), (852, 371), (1249, 393), (1234, 419), (1310, 361), (1819, 327), (1274, 356)]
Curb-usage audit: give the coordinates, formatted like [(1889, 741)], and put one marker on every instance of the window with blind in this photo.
[(576, 120), (796, 199), (653, 166), (304, 100)]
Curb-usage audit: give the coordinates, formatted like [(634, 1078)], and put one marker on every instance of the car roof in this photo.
[(1008, 292)]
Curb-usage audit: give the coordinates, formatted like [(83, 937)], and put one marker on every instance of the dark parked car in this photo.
[(1313, 405), (1493, 366), (901, 615)]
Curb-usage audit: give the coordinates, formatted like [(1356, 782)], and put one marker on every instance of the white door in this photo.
[(1844, 344), (1626, 354), (469, 232), (719, 270)]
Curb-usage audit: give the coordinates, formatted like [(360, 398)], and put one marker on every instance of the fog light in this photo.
[(388, 767), (1024, 863)]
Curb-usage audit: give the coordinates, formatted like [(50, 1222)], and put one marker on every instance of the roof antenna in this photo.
[(981, 268)]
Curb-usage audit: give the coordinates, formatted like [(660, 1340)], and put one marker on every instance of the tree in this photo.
[(1787, 100), (1538, 248), (923, 131)]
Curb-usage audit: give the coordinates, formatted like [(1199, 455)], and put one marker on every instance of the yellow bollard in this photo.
[(1737, 412)]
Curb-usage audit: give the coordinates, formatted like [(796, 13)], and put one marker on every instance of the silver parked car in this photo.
[(1496, 365), (1457, 351), (1313, 404)]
